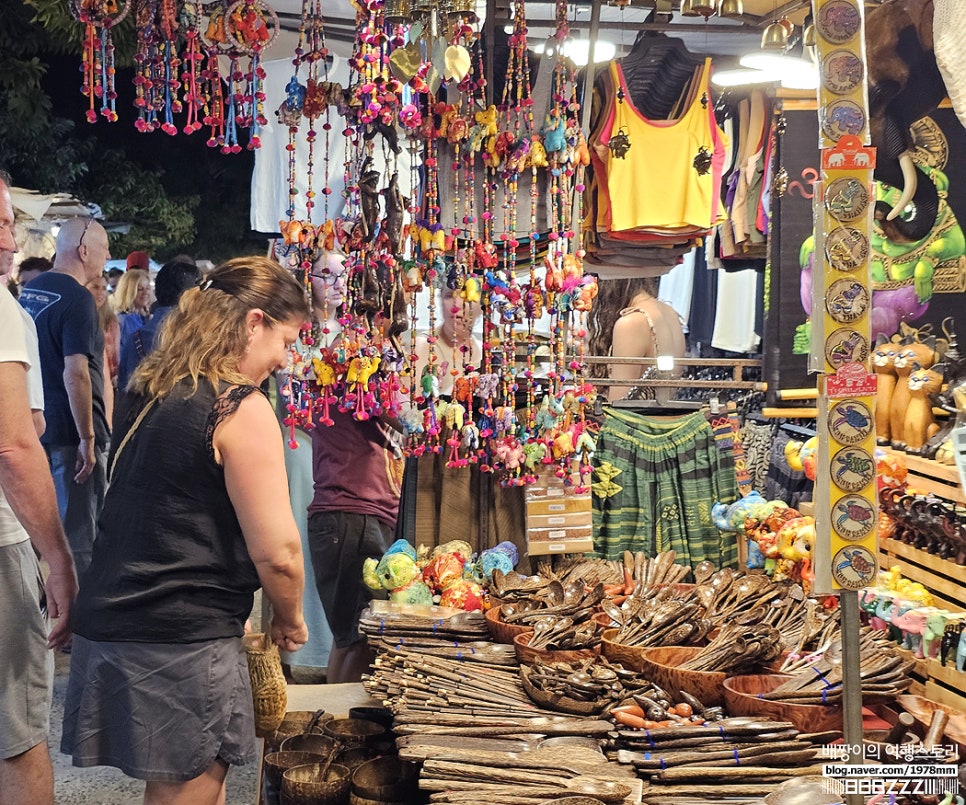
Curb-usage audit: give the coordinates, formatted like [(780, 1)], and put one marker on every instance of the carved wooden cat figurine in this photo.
[(884, 365), (907, 356), (921, 425)]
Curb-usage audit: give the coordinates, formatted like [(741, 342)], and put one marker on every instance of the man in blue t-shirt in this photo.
[(173, 279), (72, 358)]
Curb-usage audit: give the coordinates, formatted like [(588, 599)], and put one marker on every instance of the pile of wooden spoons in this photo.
[(594, 681), (713, 761), (884, 672), (738, 649)]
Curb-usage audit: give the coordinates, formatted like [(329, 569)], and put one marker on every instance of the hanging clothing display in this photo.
[(734, 320), (652, 127), (682, 157), (654, 484)]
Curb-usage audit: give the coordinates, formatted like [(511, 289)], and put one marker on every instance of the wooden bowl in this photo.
[(309, 742), (921, 709), (628, 656), (296, 722), (528, 656), (389, 779), (277, 763), (557, 701), (354, 731), (353, 757), (503, 632), (304, 785), (660, 665), (741, 695)]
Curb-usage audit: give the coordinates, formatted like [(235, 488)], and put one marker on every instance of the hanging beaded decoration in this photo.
[(98, 18), (191, 59)]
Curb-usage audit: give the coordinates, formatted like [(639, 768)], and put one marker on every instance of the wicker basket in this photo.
[(269, 690), (503, 632)]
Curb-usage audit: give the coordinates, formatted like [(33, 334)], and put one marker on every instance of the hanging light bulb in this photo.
[(687, 9), (730, 8), (774, 37)]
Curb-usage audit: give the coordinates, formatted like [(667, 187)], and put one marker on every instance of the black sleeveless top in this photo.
[(169, 563)]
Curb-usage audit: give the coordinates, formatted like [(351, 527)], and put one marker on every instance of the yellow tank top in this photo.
[(670, 176)]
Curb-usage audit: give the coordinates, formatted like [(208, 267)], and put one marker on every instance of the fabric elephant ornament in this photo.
[(399, 574), (912, 624), (731, 517)]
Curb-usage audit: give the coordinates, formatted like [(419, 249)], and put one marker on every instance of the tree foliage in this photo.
[(163, 187)]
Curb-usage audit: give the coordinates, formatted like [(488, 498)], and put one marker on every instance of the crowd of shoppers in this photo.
[(141, 461)]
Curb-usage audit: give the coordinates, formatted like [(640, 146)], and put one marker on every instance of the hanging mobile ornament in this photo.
[(147, 67), (192, 58), (214, 41), (98, 18), (253, 26)]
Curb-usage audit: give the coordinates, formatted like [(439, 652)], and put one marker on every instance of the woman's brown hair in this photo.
[(205, 336), (612, 297)]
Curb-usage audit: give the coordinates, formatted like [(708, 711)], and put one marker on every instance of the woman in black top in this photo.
[(193, 523)]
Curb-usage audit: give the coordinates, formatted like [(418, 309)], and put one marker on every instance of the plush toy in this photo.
[(398, 573), (801, 456), (463, 594), (503, 557)]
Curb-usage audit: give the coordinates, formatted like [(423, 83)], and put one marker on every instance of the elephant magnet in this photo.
[(846, 300), (838, 21), (842, 117), (853, 517), (846, 248), (850, 422), (846, 198), (854, 567), (842, 72), (844, 346), (852, 469)]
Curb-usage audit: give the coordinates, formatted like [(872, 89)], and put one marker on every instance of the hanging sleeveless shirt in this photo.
[(670, 176)]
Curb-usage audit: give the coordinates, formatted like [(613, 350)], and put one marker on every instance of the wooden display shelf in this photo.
[(941, 576), (926, 475), (941, 683)]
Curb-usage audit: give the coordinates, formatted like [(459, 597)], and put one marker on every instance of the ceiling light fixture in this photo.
[(730, 8)]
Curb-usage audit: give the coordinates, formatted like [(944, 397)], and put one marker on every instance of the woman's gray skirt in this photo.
[(159, 711)]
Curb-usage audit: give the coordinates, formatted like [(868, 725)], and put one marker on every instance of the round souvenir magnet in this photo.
[(845, 345), (850, 422), (846, 248), (842, 117), (854, 567), (842, 72), (838, 21), (853, 517), (846, 300), (852, 469), (846, 199)]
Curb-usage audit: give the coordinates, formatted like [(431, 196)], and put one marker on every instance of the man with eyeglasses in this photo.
[(29, 523), (72, 357)]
